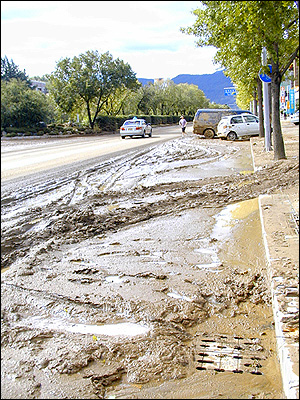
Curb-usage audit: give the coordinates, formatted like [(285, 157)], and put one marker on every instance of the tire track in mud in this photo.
[(20, 218), (31, 215), (90, 215)]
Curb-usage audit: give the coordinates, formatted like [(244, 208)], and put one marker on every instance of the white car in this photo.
[(295, 118), (233, 127), (135, 127)]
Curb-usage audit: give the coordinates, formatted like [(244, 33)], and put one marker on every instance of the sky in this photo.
[(144, 34)]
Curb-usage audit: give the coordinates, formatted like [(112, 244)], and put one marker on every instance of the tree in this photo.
[(282, 44), (90, 79), (167, 98), (239, 30), (9, 71), (23, 107)]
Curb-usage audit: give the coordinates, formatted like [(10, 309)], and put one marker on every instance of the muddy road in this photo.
[(36, 156), (143, 276)]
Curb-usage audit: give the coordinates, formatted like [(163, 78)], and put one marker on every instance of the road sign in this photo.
[(264, 77), (292, 101), (229, 91)]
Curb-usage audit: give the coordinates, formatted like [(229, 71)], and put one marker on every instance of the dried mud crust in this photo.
[(59, 272)]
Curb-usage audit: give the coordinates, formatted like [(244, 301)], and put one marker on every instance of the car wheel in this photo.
[(123, 137), (209, 134), (231, 136)]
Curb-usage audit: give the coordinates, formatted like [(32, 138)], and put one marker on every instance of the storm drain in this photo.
[(229, 353)]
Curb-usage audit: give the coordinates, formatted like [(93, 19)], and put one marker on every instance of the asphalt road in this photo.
[(22, 157)]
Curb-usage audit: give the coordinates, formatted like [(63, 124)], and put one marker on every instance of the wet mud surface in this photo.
[(144, 277)]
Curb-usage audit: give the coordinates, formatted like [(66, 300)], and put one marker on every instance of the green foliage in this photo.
[(91, 79), (9, 71), (23, 107), (239, 30), (108, 123), (166, 98), (93, 88)]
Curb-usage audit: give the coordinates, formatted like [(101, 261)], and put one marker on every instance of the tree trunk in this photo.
[(89, 115), (260, 108), (255, 101), (278, 144)]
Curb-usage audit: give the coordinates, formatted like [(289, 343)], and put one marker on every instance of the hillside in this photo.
[(211, 84)]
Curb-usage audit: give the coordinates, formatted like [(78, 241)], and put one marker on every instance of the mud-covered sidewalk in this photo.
[(280, 223)]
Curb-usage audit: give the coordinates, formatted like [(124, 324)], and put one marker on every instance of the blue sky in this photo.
[(144, 34)]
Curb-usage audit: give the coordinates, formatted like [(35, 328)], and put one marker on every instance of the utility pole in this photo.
[(266, 103)]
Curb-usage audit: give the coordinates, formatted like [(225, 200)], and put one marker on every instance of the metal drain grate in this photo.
[(229, 353)]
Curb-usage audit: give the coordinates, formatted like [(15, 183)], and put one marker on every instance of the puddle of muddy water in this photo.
[(236, 227), (231, 216)]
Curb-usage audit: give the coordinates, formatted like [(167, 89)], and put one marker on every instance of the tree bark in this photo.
[(255, 102), (278, 144), (89, 115)]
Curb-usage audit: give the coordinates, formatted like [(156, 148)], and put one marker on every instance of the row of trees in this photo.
[(98, 84), (239, 30), (88, 86)]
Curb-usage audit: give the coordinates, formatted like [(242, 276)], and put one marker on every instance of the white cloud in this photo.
[(145, 34)]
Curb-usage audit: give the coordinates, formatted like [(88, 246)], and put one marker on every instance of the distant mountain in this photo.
[(211, 84), (144, 81)]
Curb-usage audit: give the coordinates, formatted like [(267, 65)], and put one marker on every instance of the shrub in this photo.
[(11, 134)]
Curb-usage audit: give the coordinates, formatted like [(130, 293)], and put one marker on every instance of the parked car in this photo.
[(206, 120), (233, 127), (135, 127), (295, 118)]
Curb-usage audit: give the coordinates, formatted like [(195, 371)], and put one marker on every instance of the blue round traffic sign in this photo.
[(264, 77)]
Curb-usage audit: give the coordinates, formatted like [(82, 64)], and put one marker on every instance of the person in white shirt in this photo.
[(182, 124)]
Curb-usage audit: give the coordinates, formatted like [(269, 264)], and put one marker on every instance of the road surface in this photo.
[(22, 157)]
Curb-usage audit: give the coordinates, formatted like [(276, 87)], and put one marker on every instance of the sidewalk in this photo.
[(280, 225)]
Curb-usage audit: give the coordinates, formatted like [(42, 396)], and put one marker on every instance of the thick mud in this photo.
[(144, 277)]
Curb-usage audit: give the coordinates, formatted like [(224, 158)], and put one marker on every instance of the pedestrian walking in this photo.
[(182, 124)]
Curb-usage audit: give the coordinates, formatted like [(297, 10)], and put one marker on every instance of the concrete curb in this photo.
[(281, 242), (288, 350)]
